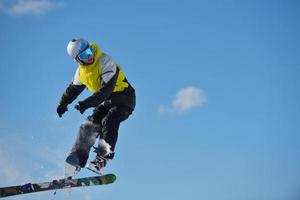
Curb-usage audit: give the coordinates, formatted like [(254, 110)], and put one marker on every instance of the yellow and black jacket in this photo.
[(105, 79)]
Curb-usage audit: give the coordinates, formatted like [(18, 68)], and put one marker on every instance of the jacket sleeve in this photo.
[(72, 91), (71, 94), (109, 77)]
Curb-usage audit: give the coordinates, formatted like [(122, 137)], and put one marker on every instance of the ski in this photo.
[(56, 185)]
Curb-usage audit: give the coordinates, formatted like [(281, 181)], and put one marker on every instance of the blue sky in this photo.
[(217, 84)]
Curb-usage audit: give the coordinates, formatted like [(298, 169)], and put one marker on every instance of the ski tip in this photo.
[(111, 177)]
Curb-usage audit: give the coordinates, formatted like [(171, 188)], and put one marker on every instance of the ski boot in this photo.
[(104, 154), (72, 166), (98, 164)]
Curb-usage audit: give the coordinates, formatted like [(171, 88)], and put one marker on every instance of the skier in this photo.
[(113, 100)]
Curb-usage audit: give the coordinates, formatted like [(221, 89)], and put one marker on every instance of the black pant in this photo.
[(109, 118), (104, 124)]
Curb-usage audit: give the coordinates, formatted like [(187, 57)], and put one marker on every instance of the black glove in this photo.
[(61, 109), (80, 106)]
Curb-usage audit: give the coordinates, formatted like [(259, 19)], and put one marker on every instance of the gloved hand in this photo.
[(80, 107), (61, 109)]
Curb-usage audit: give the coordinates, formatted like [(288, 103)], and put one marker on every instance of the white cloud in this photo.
[(11, 171), (45, 163), (188, 98), (25, 7), (185, 99)]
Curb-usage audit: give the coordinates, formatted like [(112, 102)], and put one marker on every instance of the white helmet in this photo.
[(76, 46)]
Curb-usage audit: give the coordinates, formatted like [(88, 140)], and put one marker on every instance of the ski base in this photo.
[(57, 185)]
